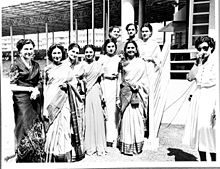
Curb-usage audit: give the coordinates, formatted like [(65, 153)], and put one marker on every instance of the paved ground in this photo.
[(170, 147)]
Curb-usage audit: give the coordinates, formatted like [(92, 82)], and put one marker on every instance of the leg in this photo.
[(213, 156), (202, 155)]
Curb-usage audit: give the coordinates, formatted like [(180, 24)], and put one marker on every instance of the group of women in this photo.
[(53, 123)]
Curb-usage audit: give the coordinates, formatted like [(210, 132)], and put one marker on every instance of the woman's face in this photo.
[(131, 31), (131, 50), (27, 51), (204, 50), (115, 33), (57, 55), (89, 53), (110, 48), (73, 53), (145, 33)]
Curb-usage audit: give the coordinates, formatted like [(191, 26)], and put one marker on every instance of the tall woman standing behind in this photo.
[(26, 85), (60, 105), (110, 62), (91, 71)]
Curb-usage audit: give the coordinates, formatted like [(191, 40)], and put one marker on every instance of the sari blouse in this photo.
[(22, 76)]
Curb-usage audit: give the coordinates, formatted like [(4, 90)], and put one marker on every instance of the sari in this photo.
[(150, 52), (64, 111), (29, 128), (110, 68), (134, 106), (95, 139)]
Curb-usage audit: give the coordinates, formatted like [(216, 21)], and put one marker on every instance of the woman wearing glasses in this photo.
[(200, 125)]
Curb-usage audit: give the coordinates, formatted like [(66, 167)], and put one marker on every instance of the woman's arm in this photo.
[(15, 87)]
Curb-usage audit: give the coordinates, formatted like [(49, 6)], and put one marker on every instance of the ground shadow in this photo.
[(180, 155)]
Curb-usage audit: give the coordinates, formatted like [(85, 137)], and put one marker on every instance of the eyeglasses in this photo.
[(205, 48)]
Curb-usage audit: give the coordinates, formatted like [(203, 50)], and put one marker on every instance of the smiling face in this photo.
[(145, 33), (110, 48), (27, 51), (73, 53), (115, 33), (204, 50), (131, 50), (56, 55), (89, 54)]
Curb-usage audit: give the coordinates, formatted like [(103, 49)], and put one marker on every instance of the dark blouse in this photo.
[(22, 76)]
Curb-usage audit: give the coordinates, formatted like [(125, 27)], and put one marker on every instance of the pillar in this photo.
[(141, 15), (93, 22), (127, 16), (12, 46), (71, 21), (76, 28), (46, 28)]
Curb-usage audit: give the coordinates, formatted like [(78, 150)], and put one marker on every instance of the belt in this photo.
[(110, 78)]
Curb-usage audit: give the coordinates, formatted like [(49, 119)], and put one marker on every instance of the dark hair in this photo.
[(89, 46), (106, 43), (135, 44), (52, 47), (73, 45), (148, 25), (111, 29), (206, 39), (136, 28), (23, 42)]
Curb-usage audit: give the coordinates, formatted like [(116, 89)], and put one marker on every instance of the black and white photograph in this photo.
[(110, 84)]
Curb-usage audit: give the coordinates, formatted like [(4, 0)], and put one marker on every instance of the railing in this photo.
[(158, 92)]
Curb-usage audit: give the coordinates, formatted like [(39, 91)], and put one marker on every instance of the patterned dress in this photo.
[(29, 128)]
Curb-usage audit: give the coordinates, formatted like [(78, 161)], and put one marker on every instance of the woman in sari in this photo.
[(26, 85), (91, 71), (110, 62), (61, 109), (133, 100), (150, 50)]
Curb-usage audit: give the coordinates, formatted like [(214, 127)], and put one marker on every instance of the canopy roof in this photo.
[(30, 18)]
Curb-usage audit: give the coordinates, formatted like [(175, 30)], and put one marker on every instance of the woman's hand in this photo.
[(63, 86), (34, 93)]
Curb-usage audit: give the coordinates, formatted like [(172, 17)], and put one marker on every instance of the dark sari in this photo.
[(28, 122)]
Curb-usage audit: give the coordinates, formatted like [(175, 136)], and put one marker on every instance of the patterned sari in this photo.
[(134, 103), (29, 129), (64, 110)]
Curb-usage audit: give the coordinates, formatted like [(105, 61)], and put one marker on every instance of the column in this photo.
[(71, 21), (46, 28), (140, 15), (12, 46), (93, 22), (127, 16), (104, 20), (76, 28)]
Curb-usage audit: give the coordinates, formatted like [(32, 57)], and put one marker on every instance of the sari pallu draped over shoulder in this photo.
[(55, 107), (134, 106)]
